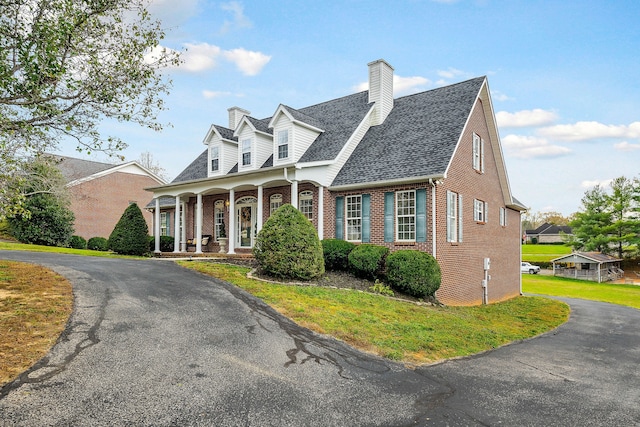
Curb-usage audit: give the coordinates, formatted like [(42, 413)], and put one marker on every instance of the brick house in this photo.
[(424, 171), (100, 193)]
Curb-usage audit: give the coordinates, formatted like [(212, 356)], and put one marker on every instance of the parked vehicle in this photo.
[(526, 267)]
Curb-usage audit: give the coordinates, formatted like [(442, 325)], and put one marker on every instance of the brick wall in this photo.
[(98, 204)]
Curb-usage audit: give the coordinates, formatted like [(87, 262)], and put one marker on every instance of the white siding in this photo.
[(303, 138), (263, 149), (228, 156)]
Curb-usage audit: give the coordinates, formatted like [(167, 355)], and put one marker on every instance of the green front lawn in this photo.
[(628, 295), (395, 329), (543, 253), (9, 246)]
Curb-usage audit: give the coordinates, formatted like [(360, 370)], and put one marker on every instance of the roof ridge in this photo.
[(441, 87)]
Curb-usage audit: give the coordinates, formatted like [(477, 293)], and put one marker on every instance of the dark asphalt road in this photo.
[(150, 343)]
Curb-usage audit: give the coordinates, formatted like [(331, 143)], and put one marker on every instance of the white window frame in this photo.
[(353, 217), (218, 217), (503, 216), (406, 216), (283, 142), (164, 223), (480, 209), (275, 201), (478, 153), (305, 204), (215, 158), (246, 149), (454, 217)]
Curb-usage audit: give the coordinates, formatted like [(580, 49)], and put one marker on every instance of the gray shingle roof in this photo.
[(196, 170), (72, 168), (226, 133), (261, 125), (417, 139)]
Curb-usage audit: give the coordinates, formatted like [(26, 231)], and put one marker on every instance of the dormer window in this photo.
[(283, 144), (215, 158), (246, 152)]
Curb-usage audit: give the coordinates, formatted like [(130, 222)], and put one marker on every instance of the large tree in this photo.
[(65, 65), (609, 222)]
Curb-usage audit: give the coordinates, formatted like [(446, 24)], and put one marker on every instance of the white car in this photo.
[(525, 267)]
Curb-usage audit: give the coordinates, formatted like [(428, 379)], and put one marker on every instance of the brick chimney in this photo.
[(380, 90), (235, 115)]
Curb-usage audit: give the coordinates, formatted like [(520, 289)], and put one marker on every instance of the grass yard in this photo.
[(628, 295), (396, 329), (10, 246), (35, 304), (543, 253)]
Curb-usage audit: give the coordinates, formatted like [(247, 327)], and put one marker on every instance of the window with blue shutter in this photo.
[(421, 215), (340, 218), (388, 216), (366, 218)]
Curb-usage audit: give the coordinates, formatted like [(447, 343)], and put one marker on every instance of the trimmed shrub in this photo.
[(288, 246), (166, 243), (129, 237), (414, 273), (336, 254), (77, 242), (49, 223), (98, 244), (367, 260)]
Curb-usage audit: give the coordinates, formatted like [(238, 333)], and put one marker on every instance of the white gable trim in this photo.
[(133, 168), (246, 122), (283, 110)]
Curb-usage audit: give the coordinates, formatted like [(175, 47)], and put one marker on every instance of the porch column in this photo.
[(156, 226), (183, 234), (176, 226), (321, 212), (232, 222), (260, 208), (294, 194), (199, 224)]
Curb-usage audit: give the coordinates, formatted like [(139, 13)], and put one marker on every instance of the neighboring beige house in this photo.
[(424, 172), (548, 233), (100, 193)]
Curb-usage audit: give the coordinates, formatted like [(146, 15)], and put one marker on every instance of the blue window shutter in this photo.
[(340, 218), (421, 215), (366, 218), (388, 216)]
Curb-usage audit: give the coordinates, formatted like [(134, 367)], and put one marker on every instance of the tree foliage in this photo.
[(65, 65), (131, 234), (45, 218), (610, 221)]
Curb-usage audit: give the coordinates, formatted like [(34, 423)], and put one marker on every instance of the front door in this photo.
[(246, 220)]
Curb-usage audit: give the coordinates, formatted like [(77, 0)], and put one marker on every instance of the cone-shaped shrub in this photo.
[(129, 237), (288, 246), (414, 273)]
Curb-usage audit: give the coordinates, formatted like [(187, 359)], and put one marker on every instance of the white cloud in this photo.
[(525, 118), (450, 73), (249, 62), (401, 85), (173, 13), (626, 146), (583, 131), (528, 147), (602, 183), (210, 94), (239, 18), (499, 96), (199, 57)]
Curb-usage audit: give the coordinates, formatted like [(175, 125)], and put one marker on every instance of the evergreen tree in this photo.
[(130, 235)]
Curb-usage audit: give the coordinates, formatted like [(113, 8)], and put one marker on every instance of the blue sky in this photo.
[(563, 75)]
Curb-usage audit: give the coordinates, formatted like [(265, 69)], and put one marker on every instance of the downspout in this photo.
[(433, 217)]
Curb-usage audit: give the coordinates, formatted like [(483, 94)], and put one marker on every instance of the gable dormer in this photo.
[(255, 142), (222, 150), (293, 133)]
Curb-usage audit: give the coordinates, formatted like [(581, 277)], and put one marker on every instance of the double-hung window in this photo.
[(478, 153), (354, 218), (406, 215), (503, 217), (480, 211), (246, 152), (215, 158), (275, 201), (218, 217), (283, 144), (164, 223), (305, 204), (454, 217)]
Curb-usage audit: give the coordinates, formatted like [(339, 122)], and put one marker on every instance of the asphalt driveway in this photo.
[(151, 343)]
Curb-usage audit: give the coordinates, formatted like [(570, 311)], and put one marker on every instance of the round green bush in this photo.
[(49, 222), (77, 242), (130, 235), (336, 254), (288, 246), (98, 244), (414, 273), (367, 260)]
